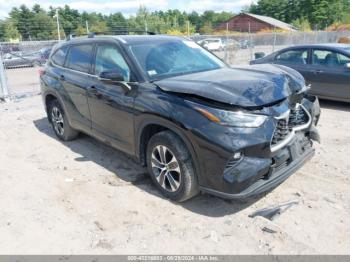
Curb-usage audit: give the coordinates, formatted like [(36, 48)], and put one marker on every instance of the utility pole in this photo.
[(87, 26), (146, 27), (188, 28), (58, 25)]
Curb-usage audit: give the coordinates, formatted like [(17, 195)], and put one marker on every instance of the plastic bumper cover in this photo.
[(273, 180)]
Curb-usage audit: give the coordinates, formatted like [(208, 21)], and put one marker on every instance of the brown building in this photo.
[(246, 22)]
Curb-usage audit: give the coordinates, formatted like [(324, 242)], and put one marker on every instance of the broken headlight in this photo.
[(231, 118)]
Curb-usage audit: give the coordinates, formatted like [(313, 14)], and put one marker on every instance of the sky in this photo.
[(129, 7)]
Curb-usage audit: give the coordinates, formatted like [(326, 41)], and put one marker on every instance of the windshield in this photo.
[(176, 57)]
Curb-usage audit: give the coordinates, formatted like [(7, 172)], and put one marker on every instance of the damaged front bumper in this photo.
[(262, 167), (290, 159)]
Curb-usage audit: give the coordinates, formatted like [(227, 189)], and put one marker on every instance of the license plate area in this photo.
[(298, 146)]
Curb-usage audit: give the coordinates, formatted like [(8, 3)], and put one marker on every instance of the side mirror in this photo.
[(115, 78), (347, 65), (111, 77), (259, 55)]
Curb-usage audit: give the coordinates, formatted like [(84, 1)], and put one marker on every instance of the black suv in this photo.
[(197, 124)]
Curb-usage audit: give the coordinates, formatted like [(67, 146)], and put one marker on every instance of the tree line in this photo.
[(38, 24), (305, 14)]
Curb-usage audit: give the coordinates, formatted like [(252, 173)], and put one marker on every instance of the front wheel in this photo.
[(170, 166)]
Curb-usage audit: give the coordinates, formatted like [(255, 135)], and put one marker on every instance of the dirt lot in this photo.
[(23, 81), (84, 197)]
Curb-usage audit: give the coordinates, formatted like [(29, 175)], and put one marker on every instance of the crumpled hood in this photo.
[(248, 86)]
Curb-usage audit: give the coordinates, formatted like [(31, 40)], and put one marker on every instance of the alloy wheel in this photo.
[(57, 120), (166, 168)]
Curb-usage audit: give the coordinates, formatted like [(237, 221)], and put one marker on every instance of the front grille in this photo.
[(281, 132), (297, 117)]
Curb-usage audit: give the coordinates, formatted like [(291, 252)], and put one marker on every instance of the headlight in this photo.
[(231, 118)]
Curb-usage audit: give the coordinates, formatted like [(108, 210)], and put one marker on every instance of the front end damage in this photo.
[(253, 128), (261, 158)]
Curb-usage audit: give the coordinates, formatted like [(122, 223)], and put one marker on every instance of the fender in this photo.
[(148, 119), (54, 93)]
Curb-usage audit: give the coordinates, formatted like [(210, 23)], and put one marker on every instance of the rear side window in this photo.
[(329, 58), (79, 58), (59, 56)]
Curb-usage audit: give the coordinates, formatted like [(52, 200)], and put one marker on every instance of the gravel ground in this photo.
[(82, 197)]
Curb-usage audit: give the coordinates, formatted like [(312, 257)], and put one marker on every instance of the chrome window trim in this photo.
[(69, 69), (292, 132), (126, 84)]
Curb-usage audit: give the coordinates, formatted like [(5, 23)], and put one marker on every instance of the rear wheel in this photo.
[(170, 166), (60, 123)]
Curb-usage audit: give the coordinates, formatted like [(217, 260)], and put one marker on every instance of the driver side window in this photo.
[(108, 58)]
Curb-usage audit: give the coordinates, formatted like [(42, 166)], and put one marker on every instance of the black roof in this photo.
[(126, 39)]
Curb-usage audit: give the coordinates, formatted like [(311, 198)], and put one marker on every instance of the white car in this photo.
[(213, 44)]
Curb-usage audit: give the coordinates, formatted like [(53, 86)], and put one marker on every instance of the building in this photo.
[(246, 22)]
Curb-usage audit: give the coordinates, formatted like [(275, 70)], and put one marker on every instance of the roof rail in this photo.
[(114, 32), (128, 31)]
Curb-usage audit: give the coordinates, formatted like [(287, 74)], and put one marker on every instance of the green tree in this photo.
[(42, 25), (302, 24), (207, 29), (8, 30), (320, 13), (22, 18)]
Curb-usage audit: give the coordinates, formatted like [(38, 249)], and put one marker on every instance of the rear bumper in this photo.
[(266, 184)]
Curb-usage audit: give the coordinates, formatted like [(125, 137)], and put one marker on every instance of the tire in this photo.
[(177, 182), (59, 122)]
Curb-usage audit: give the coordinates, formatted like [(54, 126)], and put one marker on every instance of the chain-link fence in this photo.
[(242, 48), (22, 60), (19, 66)]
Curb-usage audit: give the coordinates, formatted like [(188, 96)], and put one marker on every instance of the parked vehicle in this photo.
[(19, 59), (197, 124), (212, 44), (45, 53), (325, 67), (245, 44)]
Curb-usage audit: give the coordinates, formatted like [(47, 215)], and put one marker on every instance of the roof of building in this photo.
[(272, 21)]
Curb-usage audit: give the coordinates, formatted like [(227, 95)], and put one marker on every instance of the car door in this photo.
[(298, 59), (331, 76), (111, 105), (76, 78)]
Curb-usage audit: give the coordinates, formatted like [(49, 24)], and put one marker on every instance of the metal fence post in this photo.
[(274, 39), (226, 55), (3, 81), (250, 42)]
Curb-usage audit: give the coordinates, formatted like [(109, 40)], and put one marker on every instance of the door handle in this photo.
[(318, 71), (92, 90)]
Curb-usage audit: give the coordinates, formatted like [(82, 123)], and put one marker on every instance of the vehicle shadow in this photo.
[(128, 170), (335, 105)]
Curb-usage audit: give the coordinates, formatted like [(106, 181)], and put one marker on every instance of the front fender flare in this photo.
[(149, 119)]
